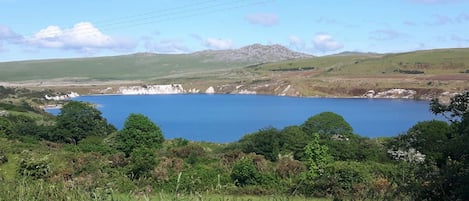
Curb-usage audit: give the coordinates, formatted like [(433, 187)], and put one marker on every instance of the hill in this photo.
[(144, 66), (255, 69)]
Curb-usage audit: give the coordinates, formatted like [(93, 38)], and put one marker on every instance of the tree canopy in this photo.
[(78, 120), (326, 123), (138, 131)]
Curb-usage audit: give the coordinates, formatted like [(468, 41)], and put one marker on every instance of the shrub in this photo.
[(289, 168), (138, 131), (142, 160), (244, 173), (95, 144), (34, 168)]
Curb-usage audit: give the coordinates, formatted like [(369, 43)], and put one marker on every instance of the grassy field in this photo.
[(129, 67), (434, 62)]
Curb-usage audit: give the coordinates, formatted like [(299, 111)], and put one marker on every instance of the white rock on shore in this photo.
[(210, 90), (392, 93), (62, 97), (152, 89)]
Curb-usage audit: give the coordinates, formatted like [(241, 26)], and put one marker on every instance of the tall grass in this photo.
[(32, 190)]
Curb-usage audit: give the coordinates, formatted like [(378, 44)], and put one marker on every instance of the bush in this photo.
[(244, 173), (289, 168), (95, 144), (34, 168), (142, 160)]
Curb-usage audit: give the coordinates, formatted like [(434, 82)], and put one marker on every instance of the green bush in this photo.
[(95, 144), (244, 173), (142, 160), (34, 168), (138, 131)]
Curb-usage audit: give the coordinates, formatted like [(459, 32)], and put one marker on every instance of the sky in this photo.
[(44, 29)]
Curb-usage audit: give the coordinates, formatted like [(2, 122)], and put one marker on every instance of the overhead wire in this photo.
[(164, 15)]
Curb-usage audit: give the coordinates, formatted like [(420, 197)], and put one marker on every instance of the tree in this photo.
[(448, 179), (293, 140), (328, 123), (138, 131), (429, 137), (458, 106), (78, 120), (264, 142)]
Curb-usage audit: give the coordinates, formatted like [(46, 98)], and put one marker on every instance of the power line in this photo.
[(164, 15)]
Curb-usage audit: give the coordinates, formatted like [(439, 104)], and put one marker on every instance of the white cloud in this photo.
[(82, 36), (6, 34), (167, 46), (218, 43), (296, 42), (324, 43), (265, 19)]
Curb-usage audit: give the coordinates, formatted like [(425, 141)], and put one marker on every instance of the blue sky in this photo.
[(42, 29)]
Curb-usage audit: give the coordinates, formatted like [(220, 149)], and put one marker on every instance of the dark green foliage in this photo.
[(448, 179), (6, 127), (244, 173), (142, 160), (264, 142), (138, 131), (292, 140), (34, 168), (24, 107), (78, 120), (95, 144), (428, 137), (328, 123), (352, 147)]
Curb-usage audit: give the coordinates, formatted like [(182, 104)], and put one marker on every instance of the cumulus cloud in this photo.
[(8, 35), (264, 19), (218, 43), (82, 36), (324, 43)]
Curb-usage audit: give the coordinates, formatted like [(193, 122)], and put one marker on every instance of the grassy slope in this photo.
[(129, 67), (354, 74), (442, 61)]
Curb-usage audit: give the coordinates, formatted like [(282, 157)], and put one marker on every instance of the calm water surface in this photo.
[(226, 118)]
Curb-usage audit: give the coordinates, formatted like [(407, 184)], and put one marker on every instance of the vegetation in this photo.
[(77, 155)]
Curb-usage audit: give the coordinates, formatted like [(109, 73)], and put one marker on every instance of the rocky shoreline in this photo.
[(280, 90)]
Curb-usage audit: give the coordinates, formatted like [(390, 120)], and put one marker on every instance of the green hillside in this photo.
[(128, 67), (441, 61)]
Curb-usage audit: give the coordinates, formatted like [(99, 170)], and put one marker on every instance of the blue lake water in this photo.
[(226, 118)]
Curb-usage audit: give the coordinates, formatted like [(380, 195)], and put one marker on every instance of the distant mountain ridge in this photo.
[(254, 53)]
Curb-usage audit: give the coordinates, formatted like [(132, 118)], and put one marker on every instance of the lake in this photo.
[(226, 118)]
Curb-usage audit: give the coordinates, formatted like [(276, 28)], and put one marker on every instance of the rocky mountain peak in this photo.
[(254, 53)]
